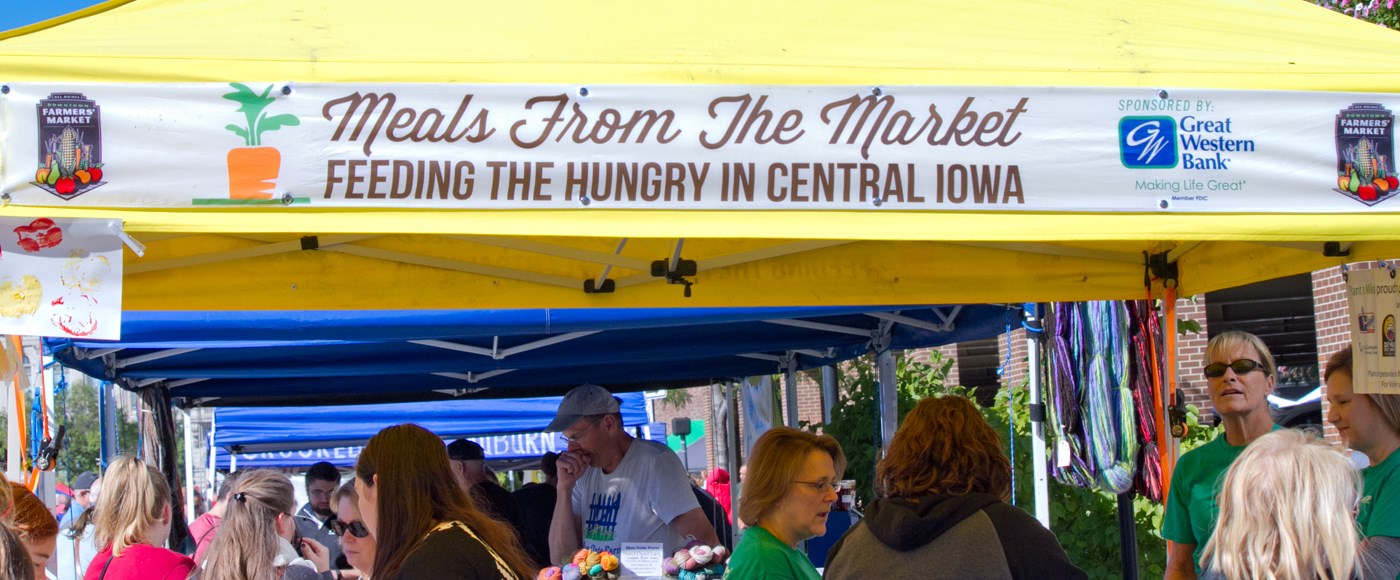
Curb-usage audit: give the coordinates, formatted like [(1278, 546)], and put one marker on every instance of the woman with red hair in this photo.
[(943, 513)]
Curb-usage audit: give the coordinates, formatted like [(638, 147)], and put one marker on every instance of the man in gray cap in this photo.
[(468, 462), (84, 493), (614, 488)]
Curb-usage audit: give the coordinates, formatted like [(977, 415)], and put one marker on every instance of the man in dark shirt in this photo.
[(536, 504), (469, 467)]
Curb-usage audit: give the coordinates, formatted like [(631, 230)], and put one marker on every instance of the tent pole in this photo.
[(1168, 445), (107, 413), (1037, 414), (1127, 536), (790, 387), (828, 392), (889, 399), (731, 430), (213, 455), (189, 466)]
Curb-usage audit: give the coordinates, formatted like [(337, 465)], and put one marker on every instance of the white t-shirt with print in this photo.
[(634, 503)]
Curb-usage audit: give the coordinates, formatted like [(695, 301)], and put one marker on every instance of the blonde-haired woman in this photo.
[(133, 521), (1240, 376), (791, 485), (254, 537), (1285, 512), (1370, 424)]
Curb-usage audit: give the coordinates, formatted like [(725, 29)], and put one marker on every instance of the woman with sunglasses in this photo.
[(789, 492), (1370, 424), (1241, 375), (945, 482), (423, 524), (355, 540)]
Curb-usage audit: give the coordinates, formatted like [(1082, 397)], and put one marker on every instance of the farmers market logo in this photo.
[(70, 145), (1366, 153), (253, 169)]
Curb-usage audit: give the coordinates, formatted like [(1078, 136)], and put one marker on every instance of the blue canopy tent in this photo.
[(506, 429), (263, 358), (258, 429)]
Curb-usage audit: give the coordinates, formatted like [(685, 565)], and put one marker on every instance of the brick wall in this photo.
[(1017, 362), (1191, 356), (698, 408), (1330, 311)]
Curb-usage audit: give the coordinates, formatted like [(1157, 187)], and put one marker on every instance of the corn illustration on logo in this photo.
[(253, 169), (1366, 153), (70, 145)]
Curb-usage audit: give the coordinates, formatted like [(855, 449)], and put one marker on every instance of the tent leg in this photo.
[(790, 388), (1038, 460), (889, 399), (1168, 445), (108, 417), (189, 467), (213, 456), (731, 431), (828, 392), (1127, 535)]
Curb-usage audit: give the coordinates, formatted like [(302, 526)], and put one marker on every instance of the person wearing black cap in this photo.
[(469, 467), (614, 488), (83, 496)]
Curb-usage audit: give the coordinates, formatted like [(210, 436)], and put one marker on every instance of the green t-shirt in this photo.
[(1191, 502), (760, 556), (1378, 512)]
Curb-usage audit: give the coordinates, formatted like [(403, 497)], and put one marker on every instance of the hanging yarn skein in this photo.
[(1109, 417), (1070, 463), (1146, 381)]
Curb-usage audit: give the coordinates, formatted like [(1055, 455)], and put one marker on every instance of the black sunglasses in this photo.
[(356, 529), (1240, 366)]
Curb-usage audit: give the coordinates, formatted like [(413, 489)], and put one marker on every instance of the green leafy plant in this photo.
[(251, 104), (1382, 12)]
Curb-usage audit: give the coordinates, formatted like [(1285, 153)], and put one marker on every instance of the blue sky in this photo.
[(17, 13)]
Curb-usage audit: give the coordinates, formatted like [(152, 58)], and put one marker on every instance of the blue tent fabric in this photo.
[(255, 429), (338, 357)]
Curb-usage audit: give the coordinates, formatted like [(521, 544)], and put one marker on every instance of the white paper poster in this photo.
[(758, 408), (61, 277), (1373, 297)]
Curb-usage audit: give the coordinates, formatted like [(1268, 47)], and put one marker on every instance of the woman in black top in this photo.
[(423, 524)]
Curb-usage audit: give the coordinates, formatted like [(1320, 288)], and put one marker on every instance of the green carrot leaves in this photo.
[(251, 104)]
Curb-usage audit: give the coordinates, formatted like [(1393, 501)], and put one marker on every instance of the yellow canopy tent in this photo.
[(232, 257)]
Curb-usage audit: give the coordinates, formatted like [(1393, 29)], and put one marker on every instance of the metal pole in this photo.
[(889, 398), (1127, 535), (213, 454), (790, 388), (108, 417), (189, 467), (1040, 465), (732, 432), (829, 395)]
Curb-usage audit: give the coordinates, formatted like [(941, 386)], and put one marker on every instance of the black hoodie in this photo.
[(973, 535)]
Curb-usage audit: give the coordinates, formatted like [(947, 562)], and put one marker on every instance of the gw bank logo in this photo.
[(1147, 142)]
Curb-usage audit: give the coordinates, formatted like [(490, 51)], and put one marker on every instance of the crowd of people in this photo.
[(1257, 502), (1264, 502)]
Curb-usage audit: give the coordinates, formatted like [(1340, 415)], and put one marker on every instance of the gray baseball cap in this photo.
[(582, 401)]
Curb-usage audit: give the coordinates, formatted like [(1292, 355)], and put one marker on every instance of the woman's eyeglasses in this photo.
[(356, 529), (1240, 366), (823, 486)]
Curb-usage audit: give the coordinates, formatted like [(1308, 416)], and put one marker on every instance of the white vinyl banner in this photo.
[(697, 147), (61, 277), (1373, 299)]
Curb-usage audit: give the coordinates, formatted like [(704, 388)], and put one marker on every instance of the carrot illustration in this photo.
[(252, 170)]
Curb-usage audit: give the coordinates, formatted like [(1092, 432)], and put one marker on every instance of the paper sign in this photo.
[(641, 559), (61, 277), (1373, 298)]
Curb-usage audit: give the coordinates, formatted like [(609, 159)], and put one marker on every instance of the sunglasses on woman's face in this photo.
[(1240, 366), (356, 529)]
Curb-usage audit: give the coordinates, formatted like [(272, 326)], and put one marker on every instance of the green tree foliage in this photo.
[(1084, 520), (78, 405)]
